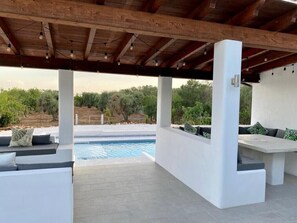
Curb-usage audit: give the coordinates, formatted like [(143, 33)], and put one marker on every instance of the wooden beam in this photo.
[(186, 52), (143, 23), (150, 6), (124, 46), (8, 37), (276, 63), (247, 14), (153, 6), (91, 38), (202, 10), (266, 57), (100, 2), (281, 22), (158, 48), (48, 38), (104, 67), (241, 18)]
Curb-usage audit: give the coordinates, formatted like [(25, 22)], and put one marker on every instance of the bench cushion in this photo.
[(41, 139), (249, 164), (31, 150), (271, 132), (4, 140), (280, 133), (45, 165)]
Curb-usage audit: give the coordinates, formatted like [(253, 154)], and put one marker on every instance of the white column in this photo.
[(66, 107), (164, 102), (225, 110)]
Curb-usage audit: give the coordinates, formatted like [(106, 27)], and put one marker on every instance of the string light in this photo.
[(105, 56), (41, 35), (265, 59), (71, 54), (156, 63), (119, 62), (205, 51), (177, 67), (131, 46), (293, 71), (46, 56), (247, 69), (184, 63), (8, 49)]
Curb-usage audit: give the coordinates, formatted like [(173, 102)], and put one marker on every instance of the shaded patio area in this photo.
[(146, 193)]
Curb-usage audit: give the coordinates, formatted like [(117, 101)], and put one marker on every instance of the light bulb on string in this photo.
[(184, 63), (156, 63), (131, 46), (41, 35), (46, 56), (105, 56), (8, 49), (71, 54), (119, 62)]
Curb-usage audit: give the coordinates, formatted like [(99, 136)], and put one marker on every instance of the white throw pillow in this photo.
[(7, 159), (21, 137)]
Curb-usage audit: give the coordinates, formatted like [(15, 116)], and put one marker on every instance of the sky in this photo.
[(26, 78)]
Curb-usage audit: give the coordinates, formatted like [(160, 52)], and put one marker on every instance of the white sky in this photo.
[(26, 78)]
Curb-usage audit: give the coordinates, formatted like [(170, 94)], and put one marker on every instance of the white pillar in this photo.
[(164, 102), (66, 107), (225, 110)]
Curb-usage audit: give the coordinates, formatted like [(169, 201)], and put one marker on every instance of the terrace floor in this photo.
[(146, 193)]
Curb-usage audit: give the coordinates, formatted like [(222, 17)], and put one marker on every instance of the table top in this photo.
[(267, 144)]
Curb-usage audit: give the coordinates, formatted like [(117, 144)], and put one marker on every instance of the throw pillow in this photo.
[(290, 134), (190, 129), (206, 135), (7, 160), (257, 129), (21, 137)]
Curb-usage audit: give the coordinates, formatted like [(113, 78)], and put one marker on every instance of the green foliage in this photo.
[(196, 115), (150, 106), (126, 102), (5, 119), (48, 102)]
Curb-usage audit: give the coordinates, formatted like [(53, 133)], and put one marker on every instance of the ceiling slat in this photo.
[(8, 37)]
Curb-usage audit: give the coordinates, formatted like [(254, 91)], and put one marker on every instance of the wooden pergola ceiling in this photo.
[(157, 37)]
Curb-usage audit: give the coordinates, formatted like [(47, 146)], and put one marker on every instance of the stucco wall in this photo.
[(274, 99)]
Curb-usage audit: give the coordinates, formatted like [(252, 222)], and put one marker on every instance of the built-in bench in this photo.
[(41, 145)]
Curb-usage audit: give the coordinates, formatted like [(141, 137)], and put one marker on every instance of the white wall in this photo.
[(274, 99), (35, 196), (209, 167), (274, 104)]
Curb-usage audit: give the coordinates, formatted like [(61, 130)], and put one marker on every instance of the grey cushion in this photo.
[(249, 164), (205, 129), (271, 132), (31, 150), (280, 133), (243, 130), (45, 165), (8, 168), (7, 159), (41, 139), (4, 140)]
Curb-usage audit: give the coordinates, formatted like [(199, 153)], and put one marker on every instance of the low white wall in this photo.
[(274, 99), (193, 160), (35, 196), (64, 154)]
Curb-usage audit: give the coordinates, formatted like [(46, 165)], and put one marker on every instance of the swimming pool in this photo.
[(113, 149)]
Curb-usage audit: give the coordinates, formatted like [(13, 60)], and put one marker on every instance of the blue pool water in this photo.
[(111, 150)]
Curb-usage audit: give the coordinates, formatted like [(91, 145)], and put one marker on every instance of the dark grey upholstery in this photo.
[(249, 164), (32, 150), (45, 165), (243, 130), (8, 168), (4, 140), (41, 139), (271, 132), (204, 129), (280, 133)]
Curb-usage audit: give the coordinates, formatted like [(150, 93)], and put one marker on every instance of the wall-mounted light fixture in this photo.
[(235, 81)]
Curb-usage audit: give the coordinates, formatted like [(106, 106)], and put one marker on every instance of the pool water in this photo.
[(111, 150)]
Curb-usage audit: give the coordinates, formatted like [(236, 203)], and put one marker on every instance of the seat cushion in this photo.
[(190, 129), (31, 150), (4, 140), (243, 130), (41, 139), (205, 129), (257, 129), (45, 165), (271, 132), (249, 164), (280, 133)]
